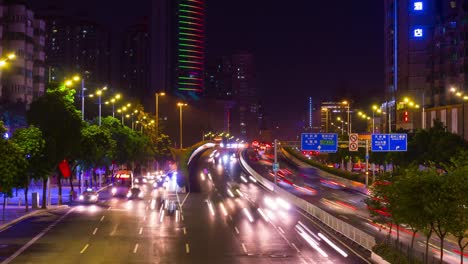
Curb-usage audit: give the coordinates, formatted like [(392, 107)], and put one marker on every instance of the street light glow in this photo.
[(11, 56), (76, 78), (68, 82)]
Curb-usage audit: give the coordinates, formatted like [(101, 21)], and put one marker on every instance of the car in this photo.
[(89, 196), (135, 193)]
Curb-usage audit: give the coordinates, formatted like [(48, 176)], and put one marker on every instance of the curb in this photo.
[(30, 214)]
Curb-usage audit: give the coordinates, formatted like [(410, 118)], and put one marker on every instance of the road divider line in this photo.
[(244, 248), (237, 230), (295, 247), (95, 230), (84, 248), (135, 248), (102, 219), (115, 230), (37, 237), (141, 231), (187, 248), (281, 229), (185, 231)]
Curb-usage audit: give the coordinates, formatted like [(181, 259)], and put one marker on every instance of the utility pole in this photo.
[(82, 98), (276, 165), (367, 163)]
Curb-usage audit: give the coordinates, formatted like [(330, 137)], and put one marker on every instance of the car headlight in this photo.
[(114, 190), (140, 194), (136, 180), (93, 197), (81, 197), (128, 195)]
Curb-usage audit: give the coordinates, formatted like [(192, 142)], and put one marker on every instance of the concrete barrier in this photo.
[(360, 237)]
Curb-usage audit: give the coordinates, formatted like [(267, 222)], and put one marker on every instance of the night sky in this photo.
[(324, 49)]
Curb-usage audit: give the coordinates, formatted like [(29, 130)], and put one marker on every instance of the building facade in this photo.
[(22, 34), (77, 46), (178, 48), (426, 60), (135, 62)]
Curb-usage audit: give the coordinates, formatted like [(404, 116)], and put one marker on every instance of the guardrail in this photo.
[(199, 149), (360, 237)]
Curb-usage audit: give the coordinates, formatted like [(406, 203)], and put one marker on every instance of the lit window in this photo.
[(418, 6), (418, 32)]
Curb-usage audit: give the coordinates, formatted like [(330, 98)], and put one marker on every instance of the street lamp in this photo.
[(375, 108), (342, 125), (113, 100), (157, 110), (349, 120), (180, 105), (99, 94), (464, 98)]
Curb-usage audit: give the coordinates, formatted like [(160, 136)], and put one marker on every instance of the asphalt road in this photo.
[(122, 231), (346, 204)]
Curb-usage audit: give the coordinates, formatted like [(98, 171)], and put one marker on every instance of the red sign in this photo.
[(65, 168)]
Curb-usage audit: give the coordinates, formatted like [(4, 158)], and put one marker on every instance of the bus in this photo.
[(122, 182)]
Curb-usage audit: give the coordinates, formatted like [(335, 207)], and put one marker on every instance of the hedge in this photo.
[(340, 173), (392, 255)]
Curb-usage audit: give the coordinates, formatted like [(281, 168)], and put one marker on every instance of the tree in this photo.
[(60, 124), (12, 165), (97, 147), (31, 143), (457, 178)]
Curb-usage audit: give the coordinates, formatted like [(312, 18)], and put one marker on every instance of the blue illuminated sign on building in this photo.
[(418, 33), (418, 6)]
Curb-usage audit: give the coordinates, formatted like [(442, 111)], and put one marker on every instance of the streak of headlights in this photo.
[(230, 193), (210, 206), (335, 247), (202, 176), (223, 209), (240, 193), (310, 240), (252, 179), (248, 215), (244, 179), (265, 217)]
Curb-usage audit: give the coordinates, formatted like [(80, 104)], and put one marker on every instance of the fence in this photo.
[(362, 238)]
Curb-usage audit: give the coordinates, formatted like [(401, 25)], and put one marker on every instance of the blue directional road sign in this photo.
[(389, 142), (321, 142)]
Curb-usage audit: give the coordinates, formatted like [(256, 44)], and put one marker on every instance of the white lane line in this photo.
[(244, 248), (182, 217), (281, 229), (183, 201), (95, 230), (115, 230), (295, 247), (32, 241), (108, 209), (230, 217), (187, 248), (237, 230), (84, 248), (185, 231), (102, 219), (135, 248), (141, 231)]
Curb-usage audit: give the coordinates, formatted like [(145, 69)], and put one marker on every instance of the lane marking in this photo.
[(84, 249), (237, 230), (230, 217), (102, 219), (95, 230), (244, 248), (115, 230), (141, 231), (185, 231), (281, 230), (182, 217), (135, 248), (32, 241), (295, 247), (187, 248), (183, 201)]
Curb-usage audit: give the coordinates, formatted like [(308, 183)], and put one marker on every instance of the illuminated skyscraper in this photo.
[(178, 47)]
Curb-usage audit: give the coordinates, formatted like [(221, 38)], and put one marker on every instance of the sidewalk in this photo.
[(14, 214)]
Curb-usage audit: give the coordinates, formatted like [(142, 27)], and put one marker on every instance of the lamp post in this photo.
[(112, 101), (180, 105), (157, 111), (99, 94), (348, 112), (375, 108), (464, 98)]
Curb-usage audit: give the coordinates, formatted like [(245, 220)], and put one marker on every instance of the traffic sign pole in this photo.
[(367, 163), (276, 162)]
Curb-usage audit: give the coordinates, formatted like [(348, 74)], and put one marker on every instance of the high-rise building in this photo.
[(178, 47), (77, 45), (22, 34), (425, 60), (135, 62)]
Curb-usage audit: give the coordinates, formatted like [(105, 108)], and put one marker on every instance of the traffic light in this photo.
[(406, 117)]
